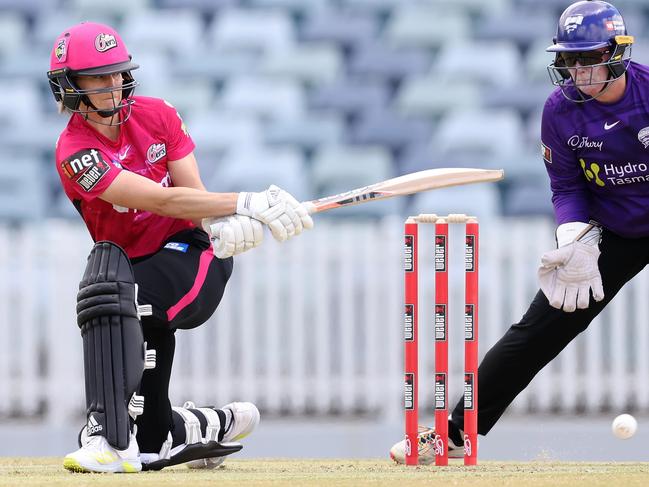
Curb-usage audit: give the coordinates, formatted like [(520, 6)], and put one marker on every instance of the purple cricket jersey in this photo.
[(597, 157)]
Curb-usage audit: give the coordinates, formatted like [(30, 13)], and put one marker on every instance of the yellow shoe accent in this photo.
[(128, 468), (73, 466)]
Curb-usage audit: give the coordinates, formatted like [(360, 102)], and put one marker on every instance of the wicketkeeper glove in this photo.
[(568, 274)]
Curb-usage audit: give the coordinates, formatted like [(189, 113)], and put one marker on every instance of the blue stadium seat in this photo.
[(479, 137), (380, 60), (175, 32), (351, 96), (306, 133), (489, 62), (13, 32), (390, 130), (520, 26), (343, 28), (219, 130), (528, 198), (336, 169), (116, 8), (207, 6), (294, 7), (263, 97), (259, 30), (417, 25), (308, 63), (480, 200), (432, 96), (23, 193), (255, 168), (217, 65)]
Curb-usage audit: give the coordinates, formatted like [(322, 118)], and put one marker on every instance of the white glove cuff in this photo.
[(243, 204), (586, 233)]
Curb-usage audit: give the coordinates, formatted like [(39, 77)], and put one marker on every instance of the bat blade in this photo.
[(404, 185)]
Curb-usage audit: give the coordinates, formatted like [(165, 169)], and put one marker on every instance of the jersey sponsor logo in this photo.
[(579, 142), (178, 246), (105, 42), (86, 168), (546, 153), (609, 126), (616, 174), (156, 152), (643, 137)]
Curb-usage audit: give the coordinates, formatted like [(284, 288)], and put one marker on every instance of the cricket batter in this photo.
[(127, 164), (595, 145)]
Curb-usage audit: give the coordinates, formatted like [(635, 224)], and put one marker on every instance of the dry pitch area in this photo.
[(353, 473)]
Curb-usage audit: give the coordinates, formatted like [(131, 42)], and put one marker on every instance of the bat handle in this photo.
[(310, 207)]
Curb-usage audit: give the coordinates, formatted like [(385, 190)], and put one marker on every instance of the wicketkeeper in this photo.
[(595, 146)]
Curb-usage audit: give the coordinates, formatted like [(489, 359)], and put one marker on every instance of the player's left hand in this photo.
[(569, 273), (232, 235)]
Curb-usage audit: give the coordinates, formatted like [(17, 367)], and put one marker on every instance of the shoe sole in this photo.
[(124, 467)]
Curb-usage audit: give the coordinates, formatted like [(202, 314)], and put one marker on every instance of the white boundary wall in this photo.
[(314, 325)]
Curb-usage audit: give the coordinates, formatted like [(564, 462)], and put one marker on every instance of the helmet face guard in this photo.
[(90, 49), (588, 31)]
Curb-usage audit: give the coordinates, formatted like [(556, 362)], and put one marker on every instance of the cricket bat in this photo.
[(407, 184)]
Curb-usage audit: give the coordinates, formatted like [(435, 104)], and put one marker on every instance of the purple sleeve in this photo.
[(569, 192)]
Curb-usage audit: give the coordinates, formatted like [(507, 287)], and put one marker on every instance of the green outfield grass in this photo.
[(353, 473)]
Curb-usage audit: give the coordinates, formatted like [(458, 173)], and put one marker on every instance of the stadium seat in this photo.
[(117, 8), (336, 169), (431, 96), (528, 198), (351, 96), (176, 32), (13, 32), (22, 188), (263, 97), (480, 200), (314, 64), (495, 63), (390, 130), (294, 7), (380, 60), (536, 61), (206, 6), (477, 137), (415, 25), (343, 28), (217, 65), (520, 26), (306, 133), (253, 168), (219, 130), (524, 98), (258, 30)]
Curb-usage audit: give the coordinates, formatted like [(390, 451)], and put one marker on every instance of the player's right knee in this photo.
[(115, 354)]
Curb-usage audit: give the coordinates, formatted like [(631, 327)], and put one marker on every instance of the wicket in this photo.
[(411, 338)]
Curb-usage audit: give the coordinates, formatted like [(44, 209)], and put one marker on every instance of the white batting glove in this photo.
[(232, 235), (568, 274), (283, 214)]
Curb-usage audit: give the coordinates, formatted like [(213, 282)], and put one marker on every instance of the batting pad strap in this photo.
[(192, 426), (213, 424)]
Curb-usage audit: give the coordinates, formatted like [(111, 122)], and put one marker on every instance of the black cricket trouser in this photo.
[(184, 283), (544, 331)]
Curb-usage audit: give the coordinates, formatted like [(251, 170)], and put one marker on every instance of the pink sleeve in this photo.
[(179, 142), (87, 173)]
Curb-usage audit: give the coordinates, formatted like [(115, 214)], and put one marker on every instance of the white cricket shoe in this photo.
[(245, 418), (96, 455), (426, 448)]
